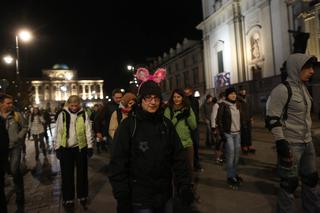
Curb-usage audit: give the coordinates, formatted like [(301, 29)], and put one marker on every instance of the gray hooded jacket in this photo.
[(297, 127)]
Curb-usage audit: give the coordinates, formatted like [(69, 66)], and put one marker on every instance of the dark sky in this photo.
[(96, 39)]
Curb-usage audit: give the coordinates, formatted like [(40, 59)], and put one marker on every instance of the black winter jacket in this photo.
[(4, 145), (223, 118), (146, 151)]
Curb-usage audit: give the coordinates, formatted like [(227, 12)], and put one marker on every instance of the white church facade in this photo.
[(247, 41)]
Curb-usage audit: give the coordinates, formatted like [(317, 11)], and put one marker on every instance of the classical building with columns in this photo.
[(246, 42), (58, 83)]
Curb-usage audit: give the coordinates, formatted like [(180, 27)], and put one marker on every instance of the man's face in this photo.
[(306, 74), (150, 103), (74, 107), (117, 97), (243, 92), (7, 105)]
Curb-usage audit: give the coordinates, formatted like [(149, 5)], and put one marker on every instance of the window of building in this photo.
[(220, 62), (184, 63), (178, 80), (195, 73), (186, 78), (194, 59), (177, 67)]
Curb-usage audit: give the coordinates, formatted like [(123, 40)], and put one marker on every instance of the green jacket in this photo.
[(74, 130), (183, 126)]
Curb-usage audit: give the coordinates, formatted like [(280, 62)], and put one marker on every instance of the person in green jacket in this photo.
[(184, 120), (73, 146)]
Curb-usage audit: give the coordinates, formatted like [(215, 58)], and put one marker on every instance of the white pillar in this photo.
[(37, 100), (83, 91), (101, 91), (90, 95)]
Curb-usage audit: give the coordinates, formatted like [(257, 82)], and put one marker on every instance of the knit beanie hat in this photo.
[(230, 90), (127, 98), (149, 88)]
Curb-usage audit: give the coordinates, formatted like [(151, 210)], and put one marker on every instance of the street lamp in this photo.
[(25, 36), (8, 59), (130, 68)]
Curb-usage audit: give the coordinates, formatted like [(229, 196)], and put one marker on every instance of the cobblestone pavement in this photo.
[(257, 194)]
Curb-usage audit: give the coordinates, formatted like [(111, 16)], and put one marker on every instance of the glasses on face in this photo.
[(149, 98)]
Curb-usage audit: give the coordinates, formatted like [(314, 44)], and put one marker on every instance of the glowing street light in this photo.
[(25, 36), (8, 59), (130, 68)]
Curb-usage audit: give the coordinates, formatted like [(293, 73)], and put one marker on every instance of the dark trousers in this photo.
[(195, 141), (39, 139), (3, 204), (246, 134), (167, 208), (74, 158), (15, 170)]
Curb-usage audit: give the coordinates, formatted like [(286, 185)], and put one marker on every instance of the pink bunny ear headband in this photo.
[(143, 75)]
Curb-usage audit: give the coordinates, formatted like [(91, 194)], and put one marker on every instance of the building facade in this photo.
[(184, 65), (247, 41), (58, 83)]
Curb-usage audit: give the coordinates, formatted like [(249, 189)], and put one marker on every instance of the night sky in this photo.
[(98, 40)]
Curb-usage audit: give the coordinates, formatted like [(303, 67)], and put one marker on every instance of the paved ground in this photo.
[(257, 194)]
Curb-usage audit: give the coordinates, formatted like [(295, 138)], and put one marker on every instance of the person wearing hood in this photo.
[(147, 153), (125, 106), (292, 132), (73, 145), (228, 123)]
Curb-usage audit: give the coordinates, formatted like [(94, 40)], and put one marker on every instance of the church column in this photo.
[(37, 100), (83, 91), (90, 95), (101, 91)]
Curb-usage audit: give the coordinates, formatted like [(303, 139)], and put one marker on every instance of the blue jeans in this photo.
[(14, 166), (232, 149), (195, 141), (167, 208), (303, 165)]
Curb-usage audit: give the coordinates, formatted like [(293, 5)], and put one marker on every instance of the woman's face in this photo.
[(232, 96), (177, 99)]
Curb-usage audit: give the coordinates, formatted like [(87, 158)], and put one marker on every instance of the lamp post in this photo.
[(25, 36)]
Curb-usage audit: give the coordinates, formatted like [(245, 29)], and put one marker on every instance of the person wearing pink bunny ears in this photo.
[(147, 155)]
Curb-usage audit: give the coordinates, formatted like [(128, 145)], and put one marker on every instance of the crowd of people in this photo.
[(154, 144)]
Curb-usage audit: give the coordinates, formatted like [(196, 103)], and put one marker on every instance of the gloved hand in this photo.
[(124, 206), (59, 153), (184, 114), (283, 148), (89, 152), (186, 194)]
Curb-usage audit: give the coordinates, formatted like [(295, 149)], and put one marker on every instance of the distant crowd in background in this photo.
[(154, 143)]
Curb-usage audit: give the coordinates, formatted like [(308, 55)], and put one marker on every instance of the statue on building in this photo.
[(255, 48)]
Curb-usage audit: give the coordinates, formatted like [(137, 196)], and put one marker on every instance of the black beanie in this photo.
[(149, 88), (230, 90)]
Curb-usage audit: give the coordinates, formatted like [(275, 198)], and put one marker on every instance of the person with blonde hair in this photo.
[(73, 145)]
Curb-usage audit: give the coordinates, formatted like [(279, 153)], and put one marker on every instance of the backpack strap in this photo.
[(277, 119), (66, 119), (133, 124), (285, 108), (119, 116)]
